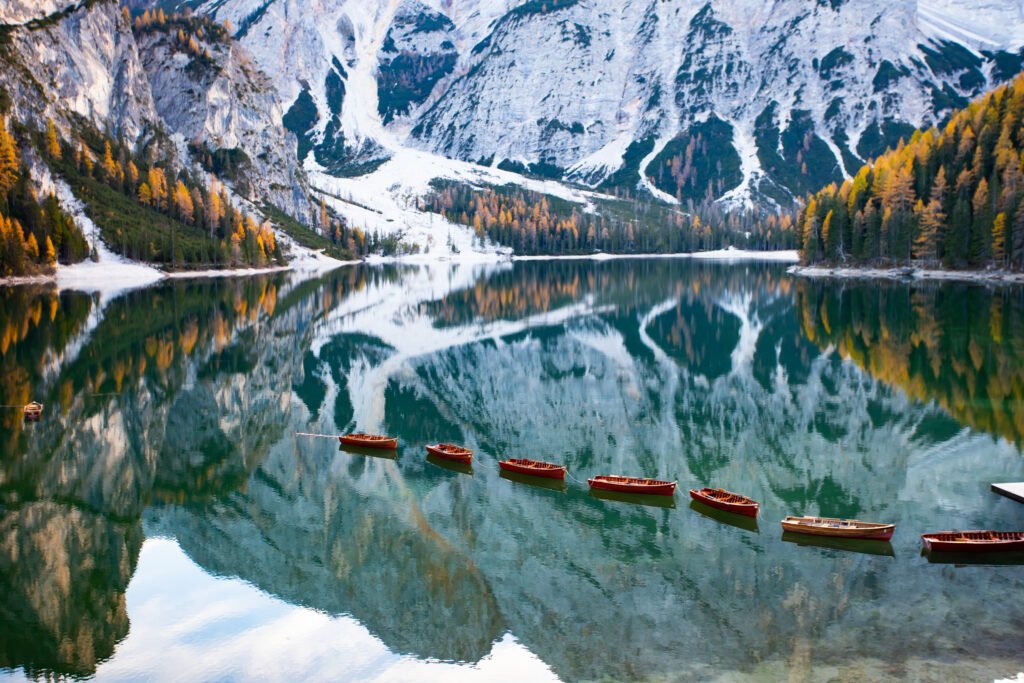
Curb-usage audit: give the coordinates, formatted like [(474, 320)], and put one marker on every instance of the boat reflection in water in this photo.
[(381, 453), (851, 545), (975, 559), (648, 499), (739, 521), (535, 482), (178, 421), (451, 465)]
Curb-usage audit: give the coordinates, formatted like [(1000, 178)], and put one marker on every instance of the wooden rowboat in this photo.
[(726, 500), (614, 482), (839, 528), (450, 451), (386, 443), (974, 541), (534, 468), (33, 411)]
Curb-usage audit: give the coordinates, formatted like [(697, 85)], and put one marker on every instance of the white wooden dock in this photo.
[(1014, 491)]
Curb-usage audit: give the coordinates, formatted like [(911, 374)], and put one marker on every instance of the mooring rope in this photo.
[(569, 474), (319, 436)]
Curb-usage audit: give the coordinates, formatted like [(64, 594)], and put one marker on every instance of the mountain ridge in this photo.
[(804, 91)]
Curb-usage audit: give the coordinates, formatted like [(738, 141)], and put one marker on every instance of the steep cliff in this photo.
[(205, 104), (226, 109), (80, 62)]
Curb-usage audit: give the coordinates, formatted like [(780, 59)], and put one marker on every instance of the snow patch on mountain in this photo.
[(981, 24), (386, 201), (568, 89), (23, 11)]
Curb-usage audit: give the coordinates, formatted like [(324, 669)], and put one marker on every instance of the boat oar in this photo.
[(317, 436)]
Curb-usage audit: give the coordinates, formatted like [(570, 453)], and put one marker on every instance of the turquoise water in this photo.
[(164, 520)]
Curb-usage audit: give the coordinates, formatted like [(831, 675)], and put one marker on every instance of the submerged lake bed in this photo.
[(165, 519)]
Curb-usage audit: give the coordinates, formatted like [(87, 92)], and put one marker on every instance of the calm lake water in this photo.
[(165, 522)]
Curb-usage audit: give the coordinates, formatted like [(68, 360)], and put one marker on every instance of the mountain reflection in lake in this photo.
[(163, 520)]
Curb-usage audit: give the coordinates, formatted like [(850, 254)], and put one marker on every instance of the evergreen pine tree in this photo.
[(981, 226)]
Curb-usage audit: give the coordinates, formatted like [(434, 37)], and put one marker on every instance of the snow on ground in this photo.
[(980, 276), (734, 254), (109, 276), (385, 201)]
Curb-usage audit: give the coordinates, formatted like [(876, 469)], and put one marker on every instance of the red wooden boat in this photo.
[(386, 443), (33, 411), (726, 500), (534, 468), (651, 487), (974, 541), (450, 451)]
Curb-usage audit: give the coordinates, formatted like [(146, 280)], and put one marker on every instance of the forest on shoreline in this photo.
[(950, 197)]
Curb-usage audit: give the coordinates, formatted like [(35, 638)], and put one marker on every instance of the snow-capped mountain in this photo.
[(735, 99), (747, 102)]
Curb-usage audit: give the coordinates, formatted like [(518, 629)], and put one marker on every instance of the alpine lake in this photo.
[(165, 519)]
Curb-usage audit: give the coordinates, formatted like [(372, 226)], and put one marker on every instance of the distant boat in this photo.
[(614, 482), (974, 541), (450, 451), (726, 500), (534, 468), (33, 411), (839, 528), (386, 443)]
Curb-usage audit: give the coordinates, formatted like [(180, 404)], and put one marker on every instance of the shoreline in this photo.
[(727, 254), (909, 274), (119, 275), (76, 277)]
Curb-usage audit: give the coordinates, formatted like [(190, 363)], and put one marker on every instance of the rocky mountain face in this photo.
[(228, 112), (81, 62), (737, 100), (741, 102)]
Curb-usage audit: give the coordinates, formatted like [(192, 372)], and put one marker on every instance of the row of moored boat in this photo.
[(727, 501)]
